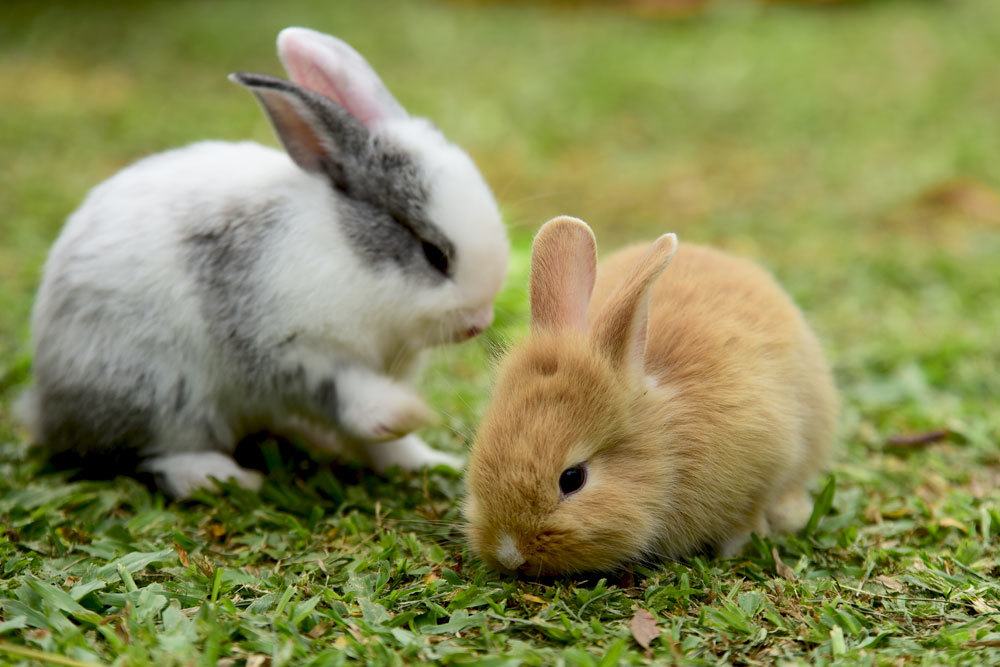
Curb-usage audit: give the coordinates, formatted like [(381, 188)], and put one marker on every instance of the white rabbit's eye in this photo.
[(572, 479), (435, 257)]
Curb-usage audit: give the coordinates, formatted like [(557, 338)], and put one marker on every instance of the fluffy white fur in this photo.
[(366, 326)]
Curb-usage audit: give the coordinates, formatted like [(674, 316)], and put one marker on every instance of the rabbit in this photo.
[(224, 288), (647, 416)]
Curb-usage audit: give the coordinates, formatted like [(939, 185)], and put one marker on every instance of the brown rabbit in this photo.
[(647, 417)]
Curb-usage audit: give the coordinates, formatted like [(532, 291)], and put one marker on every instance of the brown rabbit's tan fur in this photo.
[(696, 429)]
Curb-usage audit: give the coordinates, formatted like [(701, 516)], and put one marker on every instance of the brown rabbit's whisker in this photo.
[(463, 434), (437, 523)]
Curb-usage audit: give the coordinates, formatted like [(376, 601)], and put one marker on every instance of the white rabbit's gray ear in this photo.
[(317, 134), (328, 66)]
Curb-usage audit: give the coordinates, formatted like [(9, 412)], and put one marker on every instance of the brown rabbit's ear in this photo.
[(563, 267), (619, 330)]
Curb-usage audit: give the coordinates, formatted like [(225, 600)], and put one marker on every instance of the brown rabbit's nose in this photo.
[(507, 552)]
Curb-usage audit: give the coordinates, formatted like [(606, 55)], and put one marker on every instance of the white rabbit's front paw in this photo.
[(376, 409), (179, 475), (409, 453)]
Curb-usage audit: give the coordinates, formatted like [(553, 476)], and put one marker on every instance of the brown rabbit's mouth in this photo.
[(546, 554)]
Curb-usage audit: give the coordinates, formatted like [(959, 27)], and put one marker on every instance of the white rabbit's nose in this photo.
[(480, 320), (472, 323)]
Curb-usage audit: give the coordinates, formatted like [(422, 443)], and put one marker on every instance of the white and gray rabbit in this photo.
[(221, 288)]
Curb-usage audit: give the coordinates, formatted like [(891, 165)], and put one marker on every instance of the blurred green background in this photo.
[(853, 148)]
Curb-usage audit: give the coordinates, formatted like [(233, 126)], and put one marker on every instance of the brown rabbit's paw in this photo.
[(791, 511)]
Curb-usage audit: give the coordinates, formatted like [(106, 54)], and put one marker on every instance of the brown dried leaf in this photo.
[(873, 513), (204, 565), (643, 627), (182, 554), (318, 630), (73, 535), (964, 197), (917, 439), (981, 607), (534, 598), (890, 584), (122, 630), (779, 566), (216, 530), (948, 522)]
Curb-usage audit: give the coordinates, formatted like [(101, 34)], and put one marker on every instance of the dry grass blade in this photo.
[(43, 657), (917, 439), (783, 570)]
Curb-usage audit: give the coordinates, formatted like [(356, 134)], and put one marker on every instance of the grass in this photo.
[(853, 150)]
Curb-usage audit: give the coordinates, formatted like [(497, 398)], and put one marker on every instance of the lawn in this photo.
[(854, 150)]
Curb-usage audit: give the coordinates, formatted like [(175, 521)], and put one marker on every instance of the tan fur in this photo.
[(619, 327), (717, 430), (563, 265)]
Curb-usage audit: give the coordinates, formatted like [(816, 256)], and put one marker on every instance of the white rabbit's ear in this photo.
[(316, 133), (619, 330), (563, 268), (330, 67)]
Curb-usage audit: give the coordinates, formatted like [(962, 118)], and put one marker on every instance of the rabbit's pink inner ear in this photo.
[(563, 268), (295, 128), (635, 345), (333, 69), (620, 329)]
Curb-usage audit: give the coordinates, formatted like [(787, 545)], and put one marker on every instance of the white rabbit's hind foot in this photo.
[(376, 408), (179, 475), (409, 453)]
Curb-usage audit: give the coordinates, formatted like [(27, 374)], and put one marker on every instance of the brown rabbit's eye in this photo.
[(572, 479)]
